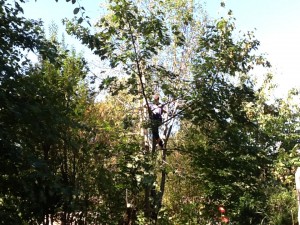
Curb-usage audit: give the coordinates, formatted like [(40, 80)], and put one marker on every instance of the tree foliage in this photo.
[(19, 36), (66, 158)]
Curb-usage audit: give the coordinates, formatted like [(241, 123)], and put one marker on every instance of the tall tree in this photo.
[(129, 37), (18, 36), (43, 144), (232, 151)]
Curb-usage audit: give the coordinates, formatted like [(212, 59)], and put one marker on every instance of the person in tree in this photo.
[(156, 111)]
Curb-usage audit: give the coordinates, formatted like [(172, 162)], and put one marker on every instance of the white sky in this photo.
[(275, 23)]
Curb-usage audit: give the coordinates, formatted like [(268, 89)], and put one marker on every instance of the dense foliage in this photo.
[(229, 152)]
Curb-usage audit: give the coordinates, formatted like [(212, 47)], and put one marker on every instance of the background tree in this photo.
[(85, 162), (231, 151), (18, 36), (44, 142), (129, 38)]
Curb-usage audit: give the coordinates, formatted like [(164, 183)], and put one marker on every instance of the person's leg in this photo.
[(155, 131), (160, 143)]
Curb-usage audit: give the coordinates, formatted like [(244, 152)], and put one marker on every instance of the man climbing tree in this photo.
[(156, 111)]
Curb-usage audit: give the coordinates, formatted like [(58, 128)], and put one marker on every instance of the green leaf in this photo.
[(76, 10), (80, 20)]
